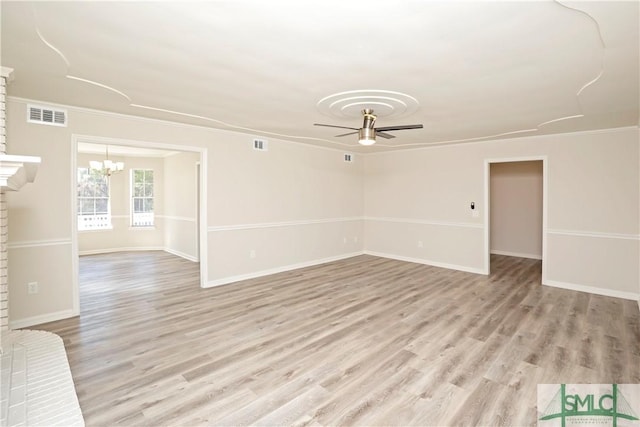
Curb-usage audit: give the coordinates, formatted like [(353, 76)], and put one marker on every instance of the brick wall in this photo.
[(4, 285)]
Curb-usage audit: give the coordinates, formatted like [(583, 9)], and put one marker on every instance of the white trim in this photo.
[(176, 218), (134, 143), (75, 263), (142, 228), (381, 149), (38, 243), (424, 222), (17, 171), (5, 72), (516, 254), (138, 249), (216, 228), (489, 139), (94, 230), (40, 319), (487, 205), (439, 264), (203, 241), (282, 269), (127, 249), (180, 124), (593, 290), (596, 234), (181, 254)]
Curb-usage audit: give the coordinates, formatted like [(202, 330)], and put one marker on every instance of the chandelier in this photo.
[(106, 166)]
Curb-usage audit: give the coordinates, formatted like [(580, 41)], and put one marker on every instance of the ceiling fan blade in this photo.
[(345, 134), (385, 135), (334, 126), (400, 127)]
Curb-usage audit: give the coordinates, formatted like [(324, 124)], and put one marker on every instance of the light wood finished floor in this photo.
[(363, 341)]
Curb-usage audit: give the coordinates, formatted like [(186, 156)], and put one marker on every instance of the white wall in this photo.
[(292, 205), (122, 236), (593, 206), (180, 204), (297, 205), (516, 209)]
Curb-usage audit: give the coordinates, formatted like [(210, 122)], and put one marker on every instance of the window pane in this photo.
[(138, 190), (86, 206), (102, 206), (102, 189), (142, 199), (85, 189)]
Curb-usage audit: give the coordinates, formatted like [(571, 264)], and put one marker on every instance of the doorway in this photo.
[(516, 205), (197, 220)]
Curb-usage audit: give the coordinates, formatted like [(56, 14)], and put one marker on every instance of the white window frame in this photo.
[(95, 222), (147, 219)]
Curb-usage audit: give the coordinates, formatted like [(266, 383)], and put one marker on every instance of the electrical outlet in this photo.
[(344, 240), (252, 253), (420, 244), (355, 239), (33, 287)]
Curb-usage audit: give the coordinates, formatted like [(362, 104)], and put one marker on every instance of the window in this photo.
[(93, 200), (142, 198)]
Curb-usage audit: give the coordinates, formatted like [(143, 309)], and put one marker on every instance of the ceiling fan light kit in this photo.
[(366, 136)]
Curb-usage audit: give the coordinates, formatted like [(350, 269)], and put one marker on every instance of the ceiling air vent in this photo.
[(348, 157), (46, 115), (260, 144)]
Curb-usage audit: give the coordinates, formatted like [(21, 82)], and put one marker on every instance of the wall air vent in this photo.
[(260, 144), (46, 115), (348, 157)]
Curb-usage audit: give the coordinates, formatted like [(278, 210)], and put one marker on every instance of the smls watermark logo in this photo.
[(562, 405)]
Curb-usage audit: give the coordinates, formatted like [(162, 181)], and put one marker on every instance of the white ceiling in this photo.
[(477, 70)]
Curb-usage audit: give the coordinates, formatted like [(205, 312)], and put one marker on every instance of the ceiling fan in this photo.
[(367, 133)]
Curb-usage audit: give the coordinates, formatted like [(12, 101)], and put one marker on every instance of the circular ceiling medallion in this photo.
[(385, 103)]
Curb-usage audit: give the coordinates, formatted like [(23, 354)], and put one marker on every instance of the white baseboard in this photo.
[(464, 268), (516, 254), (112, 250), (254, 275), (40, 319), (181, 254), (593, 290)]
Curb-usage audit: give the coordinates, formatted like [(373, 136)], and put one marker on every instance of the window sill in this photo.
[(94, 230), (142, 228)]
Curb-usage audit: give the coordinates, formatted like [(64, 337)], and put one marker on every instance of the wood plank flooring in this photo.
[(363, 341)]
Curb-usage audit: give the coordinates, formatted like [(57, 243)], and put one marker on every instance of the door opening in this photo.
[(515, 199)]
